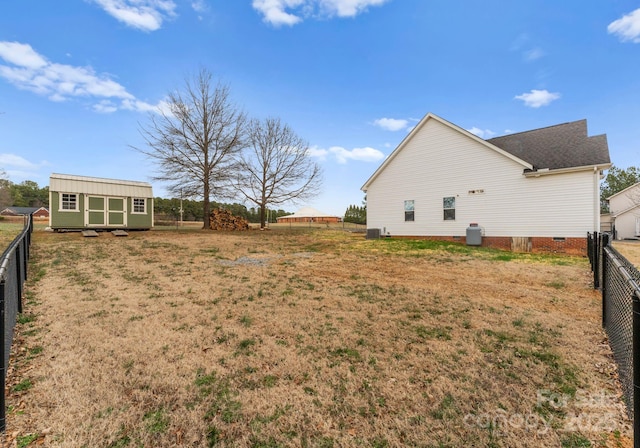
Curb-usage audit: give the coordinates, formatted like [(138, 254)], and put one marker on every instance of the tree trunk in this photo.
[(263, 215), (207, 206)]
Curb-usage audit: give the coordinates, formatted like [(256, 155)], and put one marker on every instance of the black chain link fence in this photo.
[(13, 273), (619, 281), (617, 293)]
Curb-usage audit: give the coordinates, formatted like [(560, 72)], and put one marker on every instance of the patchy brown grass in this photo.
[(308, 338), (10, 228), (630, 250)]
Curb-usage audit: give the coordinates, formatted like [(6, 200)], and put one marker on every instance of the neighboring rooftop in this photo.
[(564, 145), (20, 210)]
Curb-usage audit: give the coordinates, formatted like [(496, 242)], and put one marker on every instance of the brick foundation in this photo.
[(536, 244)]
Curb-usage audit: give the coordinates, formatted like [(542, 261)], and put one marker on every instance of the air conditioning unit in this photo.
[(373, 234)]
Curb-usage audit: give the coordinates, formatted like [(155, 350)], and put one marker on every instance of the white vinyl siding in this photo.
[(489, 188), (625, 210)]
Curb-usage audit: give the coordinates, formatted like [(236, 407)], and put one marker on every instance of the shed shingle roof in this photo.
[(564, 145)]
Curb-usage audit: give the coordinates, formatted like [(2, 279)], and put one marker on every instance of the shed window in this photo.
[(69, 201), (409, 210), (139, 205), (449, 206)]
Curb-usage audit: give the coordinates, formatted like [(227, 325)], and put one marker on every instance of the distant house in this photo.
[(36, 212), (81, 202), (309, 214), (537, 190), (624, 212)]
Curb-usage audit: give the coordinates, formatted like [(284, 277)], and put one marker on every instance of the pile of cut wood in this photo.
[(222, 219)]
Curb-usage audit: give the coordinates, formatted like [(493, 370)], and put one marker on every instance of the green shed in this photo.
[(81, 202)]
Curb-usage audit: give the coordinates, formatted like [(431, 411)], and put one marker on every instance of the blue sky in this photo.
[(78, 77)]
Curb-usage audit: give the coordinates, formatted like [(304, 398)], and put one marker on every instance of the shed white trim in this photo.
[(68, 183)]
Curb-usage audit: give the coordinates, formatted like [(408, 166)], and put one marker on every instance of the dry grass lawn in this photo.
[(630, 250), (10, 228), (312, 338)]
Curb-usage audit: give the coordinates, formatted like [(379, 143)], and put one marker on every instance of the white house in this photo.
[(624, 209), (537, 190)]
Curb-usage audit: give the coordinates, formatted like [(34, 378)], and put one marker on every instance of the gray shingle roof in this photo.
[(564, 145)]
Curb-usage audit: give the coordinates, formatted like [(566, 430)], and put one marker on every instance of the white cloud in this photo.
[(391, 124), (141, 106), (18, 168), (538, 98), (482, 133), (533, 54), (200, 7), (21, 55), (348, 8), (361, 154), (343, 155), (291, 12), (274, 11), (105, 107), (319, 153), (15, 161), (627, 28), (145, 15), (30, 71)]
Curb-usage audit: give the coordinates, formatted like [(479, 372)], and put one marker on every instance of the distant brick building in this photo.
[(309, 214), (37, 212)]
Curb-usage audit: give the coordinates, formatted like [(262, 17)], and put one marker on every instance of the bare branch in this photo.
[(276, 167), (195, 143)]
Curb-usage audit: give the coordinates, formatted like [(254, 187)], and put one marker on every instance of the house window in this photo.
[(139, 205), (409, 213), (449, 206), (69, 201)]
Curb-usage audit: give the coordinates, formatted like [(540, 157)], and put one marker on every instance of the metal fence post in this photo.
[(3, 367), (603, 275), (636, 370), (596, 260), (605, 292), (19, 277)]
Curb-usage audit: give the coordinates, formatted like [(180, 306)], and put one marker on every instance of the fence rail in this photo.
[(13, 273), (619, 281)]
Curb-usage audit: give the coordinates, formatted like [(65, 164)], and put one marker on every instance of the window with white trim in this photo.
[(69, 201), (409, 210), (139, 205), (449, 207)]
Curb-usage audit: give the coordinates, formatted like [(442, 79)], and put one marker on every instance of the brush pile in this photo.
[(221, 219)]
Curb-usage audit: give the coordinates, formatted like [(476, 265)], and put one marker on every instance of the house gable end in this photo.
[(419, 128)]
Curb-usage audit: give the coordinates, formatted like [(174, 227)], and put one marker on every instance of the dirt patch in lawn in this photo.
[(308, 338)]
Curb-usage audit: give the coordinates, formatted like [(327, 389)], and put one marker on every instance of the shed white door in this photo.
[(117, 212), (637, 226), (96, 212)]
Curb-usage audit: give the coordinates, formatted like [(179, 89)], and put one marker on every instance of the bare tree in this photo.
[(195, 141), (276, 167), (5, 189)]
